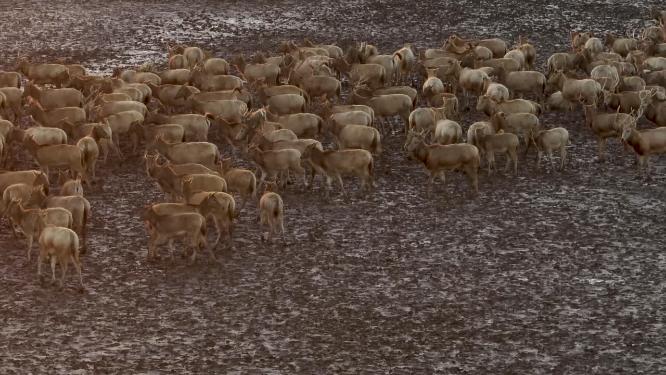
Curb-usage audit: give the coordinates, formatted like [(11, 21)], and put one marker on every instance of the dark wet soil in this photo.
[(543, 273)]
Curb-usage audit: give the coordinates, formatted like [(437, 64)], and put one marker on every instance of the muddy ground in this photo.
[(542, 273)]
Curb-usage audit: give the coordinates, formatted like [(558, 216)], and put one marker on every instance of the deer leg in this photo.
[(193, 257), (329, 187), (53, 264), (342, 186), (313, 172), (507, 164), (116, 146), (29, 241), (431, 182), (40, 260), (219, 232), (63, 267), (271, 230), (281, 226), (171, 249)]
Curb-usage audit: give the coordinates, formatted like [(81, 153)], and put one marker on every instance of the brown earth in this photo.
[(551, 272)]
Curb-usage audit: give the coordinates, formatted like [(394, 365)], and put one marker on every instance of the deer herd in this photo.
[(282, 113)]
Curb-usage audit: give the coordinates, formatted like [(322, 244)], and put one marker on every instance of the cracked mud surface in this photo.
[(551, 272)]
